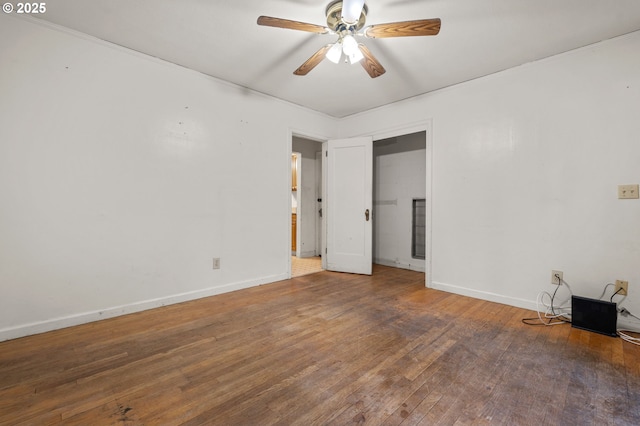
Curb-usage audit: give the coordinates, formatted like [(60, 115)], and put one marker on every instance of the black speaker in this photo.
[(594, 315)]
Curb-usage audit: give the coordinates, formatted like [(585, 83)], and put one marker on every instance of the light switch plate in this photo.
[(627, 191)]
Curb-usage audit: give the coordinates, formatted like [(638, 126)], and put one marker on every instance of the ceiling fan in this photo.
[(346, 19)]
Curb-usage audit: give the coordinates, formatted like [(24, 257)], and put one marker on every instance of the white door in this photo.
[(349, 192)]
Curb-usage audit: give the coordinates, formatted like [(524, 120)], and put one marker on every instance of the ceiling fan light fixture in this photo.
[(349, 45), (335, 53), (357, 56)]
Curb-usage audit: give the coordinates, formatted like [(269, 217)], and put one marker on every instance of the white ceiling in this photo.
[(222, 39)]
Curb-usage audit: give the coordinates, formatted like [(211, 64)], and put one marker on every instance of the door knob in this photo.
[(366, 214)]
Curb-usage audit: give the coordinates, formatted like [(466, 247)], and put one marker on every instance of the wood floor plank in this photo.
[(327, 348)]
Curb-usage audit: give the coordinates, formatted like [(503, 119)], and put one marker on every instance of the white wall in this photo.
[(525, 169), (122, 176), (399, 168)]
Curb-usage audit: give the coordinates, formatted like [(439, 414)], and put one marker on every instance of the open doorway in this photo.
[(306, 213), (404, 157), (399, 194)]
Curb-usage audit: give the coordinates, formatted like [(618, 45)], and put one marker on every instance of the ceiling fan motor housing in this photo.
[(337, 24)]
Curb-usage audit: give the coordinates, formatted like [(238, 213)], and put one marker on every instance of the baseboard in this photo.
[(87, 317), (401, 265), (623, 323), (311, 253), (116, 311), (628, 323), (485, 295)]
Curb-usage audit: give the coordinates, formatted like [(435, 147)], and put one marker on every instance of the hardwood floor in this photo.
[(326, 348)]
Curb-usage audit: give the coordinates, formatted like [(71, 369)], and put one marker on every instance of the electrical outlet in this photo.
[(621, 287), (627, 191), (556, 277), (216, 263)]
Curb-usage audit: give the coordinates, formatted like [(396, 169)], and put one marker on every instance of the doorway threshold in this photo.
[(305, 265)]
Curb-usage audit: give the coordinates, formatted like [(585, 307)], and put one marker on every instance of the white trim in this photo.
[(428, 235), (629, 324), (306, 135), (323, 230), (287, 187), (485, 295), (116, 311), (396, 264)]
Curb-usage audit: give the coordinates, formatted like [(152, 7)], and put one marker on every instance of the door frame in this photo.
[(405, 129), (312, 137)]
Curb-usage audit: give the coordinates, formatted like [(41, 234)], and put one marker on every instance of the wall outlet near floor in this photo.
[(556, 277), (627, 191), (216, 263), (621, 287)]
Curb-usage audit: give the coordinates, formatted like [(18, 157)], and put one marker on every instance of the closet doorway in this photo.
[(399, 201)]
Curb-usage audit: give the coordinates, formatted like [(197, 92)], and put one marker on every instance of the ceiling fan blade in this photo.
[(269, 21), (314, 60), (422, 27), (370, 63), (351, 10)]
